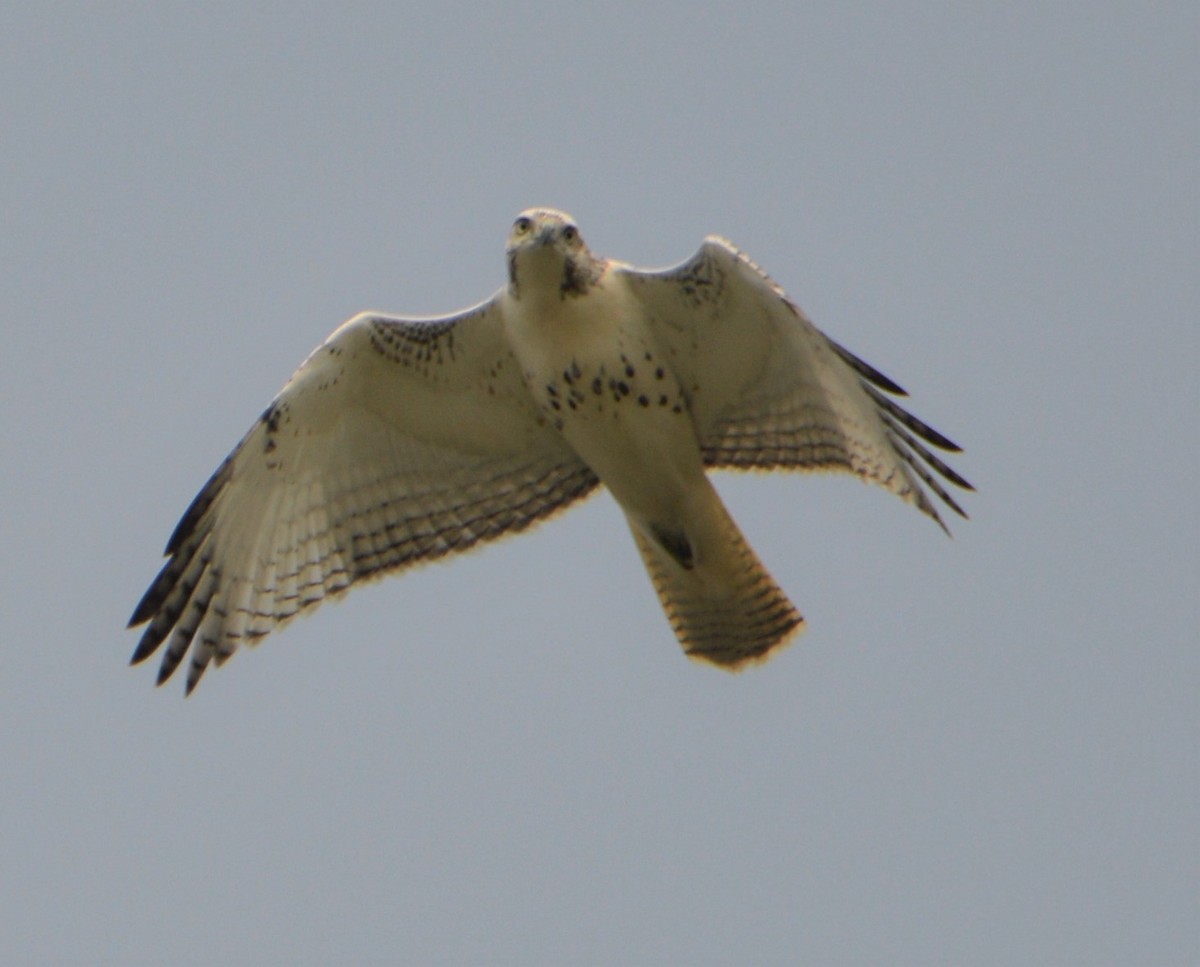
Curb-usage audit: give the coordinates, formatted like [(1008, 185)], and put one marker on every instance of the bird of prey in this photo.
[(400, 440)]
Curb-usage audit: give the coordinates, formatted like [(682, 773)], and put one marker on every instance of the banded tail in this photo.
[(724, 606)]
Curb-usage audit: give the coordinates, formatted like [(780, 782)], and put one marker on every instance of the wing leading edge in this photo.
[(397, 442)]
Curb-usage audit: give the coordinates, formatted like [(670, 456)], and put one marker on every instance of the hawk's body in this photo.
[(402, 440)]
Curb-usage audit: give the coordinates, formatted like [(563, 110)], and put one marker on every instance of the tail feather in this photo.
[(725, 608)]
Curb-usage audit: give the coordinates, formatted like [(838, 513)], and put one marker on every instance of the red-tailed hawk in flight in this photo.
[(402, 440)]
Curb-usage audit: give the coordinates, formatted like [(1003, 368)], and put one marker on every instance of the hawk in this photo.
[(401, 440)]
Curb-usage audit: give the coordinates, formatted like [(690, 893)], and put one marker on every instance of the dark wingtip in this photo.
[(867, 371), (145, 609), (195, 673), (200, 504), (147, 646), (939, 440)]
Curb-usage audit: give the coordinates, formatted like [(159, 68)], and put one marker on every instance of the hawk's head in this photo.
[(546, 253)]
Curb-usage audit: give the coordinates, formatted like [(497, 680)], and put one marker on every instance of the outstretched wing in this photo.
[(397, 441), (768, 389)]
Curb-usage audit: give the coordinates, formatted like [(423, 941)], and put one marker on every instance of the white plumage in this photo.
[(401, 440)]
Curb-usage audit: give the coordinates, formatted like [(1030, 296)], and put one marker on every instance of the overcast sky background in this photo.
[(983, 750)]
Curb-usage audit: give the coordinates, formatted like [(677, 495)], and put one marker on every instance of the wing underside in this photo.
[(396, 443), (772, 391)]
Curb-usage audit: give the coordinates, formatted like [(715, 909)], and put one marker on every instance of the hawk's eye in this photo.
[(570, 233), (522, 225)]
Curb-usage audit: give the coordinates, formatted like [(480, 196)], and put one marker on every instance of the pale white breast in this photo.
[(600, 377)]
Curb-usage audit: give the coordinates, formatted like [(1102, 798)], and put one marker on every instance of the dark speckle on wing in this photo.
[(275, 416), (702, 281), (419, 346), (272, 415)]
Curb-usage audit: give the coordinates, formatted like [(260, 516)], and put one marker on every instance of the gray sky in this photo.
[(983, 750)]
